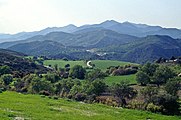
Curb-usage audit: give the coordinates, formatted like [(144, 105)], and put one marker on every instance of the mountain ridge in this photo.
[(139, 30)]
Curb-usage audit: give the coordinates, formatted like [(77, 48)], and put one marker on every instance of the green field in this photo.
[(19, 106), (117, 79), (104, 64), (101, 64), (62, 63)]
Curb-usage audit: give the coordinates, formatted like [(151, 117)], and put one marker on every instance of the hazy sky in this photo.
[(31, 15)]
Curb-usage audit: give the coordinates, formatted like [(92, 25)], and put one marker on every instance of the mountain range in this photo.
[(139, 30), (108, 40)]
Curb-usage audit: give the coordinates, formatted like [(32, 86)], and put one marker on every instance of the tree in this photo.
[(5, 70), (18, 84), (142, 78), (37, 84), (149, 68), (168, 102), (148, 93), (123, 91), (162, 74), (6, 79), (172, 86), (67, 65), (52, 77), (78, 72), (56, 67), (95, 74), (76, 89), (64, 86), (98, 87)]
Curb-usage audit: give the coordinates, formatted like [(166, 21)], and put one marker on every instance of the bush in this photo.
[(42, 96), (80, 97), (172, 86), (97, 87), (5, 70), (124, 92), (154, 108), (137, 105), (6, 79), (90, 98), (1, 91), (142, 78), (55, 97), (78, 72), (43, 92), (162, 75), (69, 96), (169, 103), (148, 93), (123, 71)]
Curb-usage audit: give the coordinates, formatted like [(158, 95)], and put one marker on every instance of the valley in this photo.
[(108, 71)]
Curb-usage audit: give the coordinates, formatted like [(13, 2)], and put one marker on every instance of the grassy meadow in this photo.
[(19, 106), (101, 64), (62, 63), (117, 79)]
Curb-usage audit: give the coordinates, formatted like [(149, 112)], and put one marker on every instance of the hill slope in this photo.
[(95, 38), (146, 49), (103, 45), (52, 49), (18, 65), (35, 107), (10, 52)]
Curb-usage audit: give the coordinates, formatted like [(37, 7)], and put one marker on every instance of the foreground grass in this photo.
[(117, 79), (14, 106), (101, 64)]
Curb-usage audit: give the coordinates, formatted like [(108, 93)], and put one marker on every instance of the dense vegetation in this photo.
[(14, 63), (156, 91)]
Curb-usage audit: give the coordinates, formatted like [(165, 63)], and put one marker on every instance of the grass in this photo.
[(104, 64), (117, 79), (35, 107), (62, 63), (101, 64)]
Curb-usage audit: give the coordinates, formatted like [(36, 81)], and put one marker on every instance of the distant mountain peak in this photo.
[(127, 22), (70, 26), (108, 23)]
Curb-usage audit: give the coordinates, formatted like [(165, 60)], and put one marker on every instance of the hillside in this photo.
[(18, 65), (146, 49), (104, 44), (95, 38), (102, 38), (153, 47), (22, 106), (54, 50), (39, 47), (10, 52)]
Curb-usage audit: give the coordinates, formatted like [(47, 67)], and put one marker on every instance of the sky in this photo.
[(32, 15)]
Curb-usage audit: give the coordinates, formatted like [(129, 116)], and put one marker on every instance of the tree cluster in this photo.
[(163, 97)]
